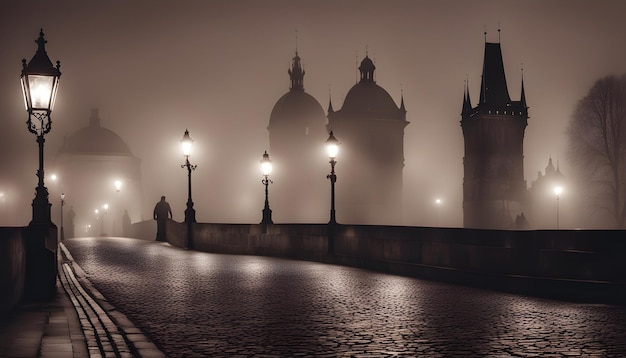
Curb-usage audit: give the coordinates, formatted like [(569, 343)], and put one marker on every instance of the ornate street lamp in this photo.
[(557, 191), (186, 144), (190, 213), (40, 81), (332, 147), (62, 205), (118, 185), (266, 169)]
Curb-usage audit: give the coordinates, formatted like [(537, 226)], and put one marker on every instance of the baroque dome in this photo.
[(369, 97), (297, 107), (95, 139)]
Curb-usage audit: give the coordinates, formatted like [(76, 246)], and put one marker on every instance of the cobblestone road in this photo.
[(198, 304)]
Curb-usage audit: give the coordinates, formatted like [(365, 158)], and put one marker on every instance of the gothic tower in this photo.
[(297, 133), (370, 129), (494, 189)]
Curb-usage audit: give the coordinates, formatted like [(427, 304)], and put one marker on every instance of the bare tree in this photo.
[(597, 148)]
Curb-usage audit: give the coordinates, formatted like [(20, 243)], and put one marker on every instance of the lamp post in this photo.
[(437, 205), (266, 169), (62, 205), (190, 213), (332, 147), (40, 81), (118, 185), (557, 191)]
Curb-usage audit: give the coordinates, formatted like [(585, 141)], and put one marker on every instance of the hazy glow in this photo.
[(228, 100), (438, 201), (186, 144), (558, 190), (266, 165), (332, 146), (118, 185)]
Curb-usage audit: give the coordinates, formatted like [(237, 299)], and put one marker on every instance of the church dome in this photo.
[(367, 96), (297, 107), (95, 139)]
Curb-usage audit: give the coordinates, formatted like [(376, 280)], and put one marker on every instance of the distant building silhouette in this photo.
[(297, 134), (370, 129), (543, 197), (89, 162), (494, 189)]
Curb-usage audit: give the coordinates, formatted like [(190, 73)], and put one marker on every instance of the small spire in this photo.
[(330, 101), (523, 93), (402, 108), (467, 103)]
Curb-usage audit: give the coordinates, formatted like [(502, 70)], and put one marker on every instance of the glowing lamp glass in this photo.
[(186, 144), (332, 146), (266, 165)]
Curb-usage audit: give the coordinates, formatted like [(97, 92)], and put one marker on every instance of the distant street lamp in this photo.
[(62, 205), (118, 187), (105, 208), (190, 213), (266, 169), (557, 191), (332, 147), (437, 205), (40, 81)]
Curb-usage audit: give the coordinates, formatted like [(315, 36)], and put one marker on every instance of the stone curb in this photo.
[(108, 332)]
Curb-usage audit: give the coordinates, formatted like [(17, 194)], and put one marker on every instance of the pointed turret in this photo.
[(330, 105), (296, 74), (467, 103), (402, 108)]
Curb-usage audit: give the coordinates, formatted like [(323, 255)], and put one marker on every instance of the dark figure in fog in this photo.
[(521, 223), (126, 224), (162, 211)]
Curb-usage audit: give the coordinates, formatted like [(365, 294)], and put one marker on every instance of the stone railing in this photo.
[(579, 265)]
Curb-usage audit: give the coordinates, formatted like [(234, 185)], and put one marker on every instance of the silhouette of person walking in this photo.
[(126, 231), (162, 211)]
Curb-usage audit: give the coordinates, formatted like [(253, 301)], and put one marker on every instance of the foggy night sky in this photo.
[(218, 67)]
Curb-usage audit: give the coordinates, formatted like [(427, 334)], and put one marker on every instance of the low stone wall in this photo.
[(585, 265), (12, 268)]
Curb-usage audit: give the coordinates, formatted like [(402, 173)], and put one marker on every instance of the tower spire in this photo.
[(493, 89), (402, 108)]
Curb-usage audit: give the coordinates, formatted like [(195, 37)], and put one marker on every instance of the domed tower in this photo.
[(370, 128), (297, 133), (494, 189), (89, 163)]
